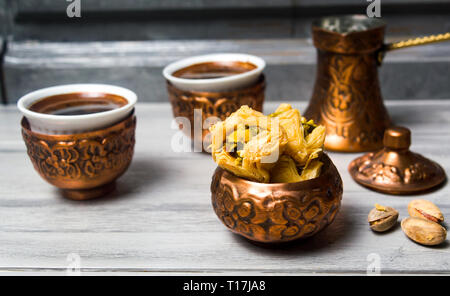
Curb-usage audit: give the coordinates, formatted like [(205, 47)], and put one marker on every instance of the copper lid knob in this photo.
[(397, 137), (395, 169)]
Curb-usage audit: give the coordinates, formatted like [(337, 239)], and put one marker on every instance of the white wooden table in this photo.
[(160, 220)]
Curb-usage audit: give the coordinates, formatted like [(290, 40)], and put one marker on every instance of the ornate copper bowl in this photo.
[(213, 104), (282, 212), (83, 165)]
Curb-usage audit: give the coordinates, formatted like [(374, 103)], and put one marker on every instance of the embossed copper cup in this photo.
[(83, 165), (216, 97), (212, 104), (80, 153), (279, 212)]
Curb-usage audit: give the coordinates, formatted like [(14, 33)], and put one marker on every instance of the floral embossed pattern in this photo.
[(82, 160), (277, 212)]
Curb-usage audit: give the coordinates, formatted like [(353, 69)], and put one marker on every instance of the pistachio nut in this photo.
[(382, 218), (425, 209), (423, 231)]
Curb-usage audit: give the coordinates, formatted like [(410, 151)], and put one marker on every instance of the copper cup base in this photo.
[(91, 193), (82, 165)]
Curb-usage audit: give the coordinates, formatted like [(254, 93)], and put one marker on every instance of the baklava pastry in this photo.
[(248, 144), (305, 139), (279, 148)]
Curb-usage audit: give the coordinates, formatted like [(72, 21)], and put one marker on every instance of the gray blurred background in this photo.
[(128, 42)]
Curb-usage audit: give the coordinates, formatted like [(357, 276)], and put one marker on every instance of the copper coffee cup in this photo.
[(80, 137), (215, 97), (84, 165)]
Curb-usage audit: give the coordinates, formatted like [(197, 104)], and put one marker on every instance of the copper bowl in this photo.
[(273, 213), (213, 104), (83, 165)]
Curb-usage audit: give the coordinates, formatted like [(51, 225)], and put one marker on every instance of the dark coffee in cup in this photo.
[(78, 103), (211, 70)]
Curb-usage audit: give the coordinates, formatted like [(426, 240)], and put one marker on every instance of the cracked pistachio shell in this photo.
[(423, 231), (425, 209), (382, 218)]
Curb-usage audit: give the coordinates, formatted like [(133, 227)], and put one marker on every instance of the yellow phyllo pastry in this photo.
[(247, 144), (305, 139), (285, 171), (278, 148)]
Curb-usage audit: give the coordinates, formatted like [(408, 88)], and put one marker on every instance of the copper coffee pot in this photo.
[(347, 97)]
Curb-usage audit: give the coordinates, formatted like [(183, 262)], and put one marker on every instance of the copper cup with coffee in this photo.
[(207, 88), (80, 137)]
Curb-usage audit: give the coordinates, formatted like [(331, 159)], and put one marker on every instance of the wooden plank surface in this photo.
[(161, 220)]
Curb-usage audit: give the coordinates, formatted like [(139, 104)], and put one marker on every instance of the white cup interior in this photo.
[(215, 84), (70, 124)]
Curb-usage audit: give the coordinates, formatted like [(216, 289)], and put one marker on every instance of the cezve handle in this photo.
[(412, 42)]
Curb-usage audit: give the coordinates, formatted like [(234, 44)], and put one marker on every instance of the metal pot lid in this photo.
[(395, 169)]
